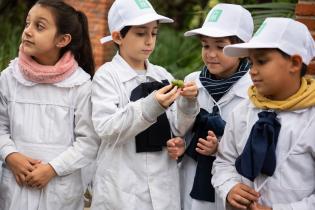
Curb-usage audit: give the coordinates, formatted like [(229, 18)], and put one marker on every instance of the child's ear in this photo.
[(296, 63), (64, 40), (116, 37)]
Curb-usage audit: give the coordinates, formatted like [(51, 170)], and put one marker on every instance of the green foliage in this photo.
[(261, 11), (11, 28), (178, 54)]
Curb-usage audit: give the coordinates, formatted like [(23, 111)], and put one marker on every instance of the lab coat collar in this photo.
[(125, 72)]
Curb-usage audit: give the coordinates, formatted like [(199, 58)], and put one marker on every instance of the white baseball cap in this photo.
[(226, 20), (131, 13), (288, 35)]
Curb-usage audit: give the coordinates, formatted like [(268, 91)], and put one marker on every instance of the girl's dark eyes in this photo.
[(39, 26)]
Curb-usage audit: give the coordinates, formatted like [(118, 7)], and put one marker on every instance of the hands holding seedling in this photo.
[(188, 90), (168, 94)]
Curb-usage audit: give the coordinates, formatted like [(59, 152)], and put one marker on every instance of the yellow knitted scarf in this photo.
[(305, 97)]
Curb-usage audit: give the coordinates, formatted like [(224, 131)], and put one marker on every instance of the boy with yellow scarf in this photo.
[(266, 158)]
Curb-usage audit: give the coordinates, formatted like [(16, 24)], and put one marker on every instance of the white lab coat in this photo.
[(42, 121), (188, 166), (292, 185), (126, 179)]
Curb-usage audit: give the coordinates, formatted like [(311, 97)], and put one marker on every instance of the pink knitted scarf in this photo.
[(38, 73)]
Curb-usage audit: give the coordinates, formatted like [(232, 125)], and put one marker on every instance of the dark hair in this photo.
[(123, 32), (235, 40), (286, 56), (73, 22)]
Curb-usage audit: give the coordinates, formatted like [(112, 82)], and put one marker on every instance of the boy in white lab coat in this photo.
[(222, 84), (134, 114), (266, 158)]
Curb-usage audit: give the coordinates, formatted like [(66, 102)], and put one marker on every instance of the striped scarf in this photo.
[(217, 88)]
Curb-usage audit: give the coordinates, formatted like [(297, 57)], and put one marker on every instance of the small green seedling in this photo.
[(179, 83)]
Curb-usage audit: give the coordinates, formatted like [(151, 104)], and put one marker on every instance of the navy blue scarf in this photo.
[(202, 188), (152, 139), (259, 154), (217, 88)]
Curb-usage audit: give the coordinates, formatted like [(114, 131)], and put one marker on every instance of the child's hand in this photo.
[(40, 177), (190, 90), (20, 166), (167, 95), (241, 196), (257, 206), (175, 147), (207, 146)]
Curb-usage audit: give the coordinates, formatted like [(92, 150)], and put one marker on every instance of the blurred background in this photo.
[(178, 54)]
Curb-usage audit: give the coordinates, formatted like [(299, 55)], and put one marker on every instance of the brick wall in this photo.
[(305, 13), (96, 11)]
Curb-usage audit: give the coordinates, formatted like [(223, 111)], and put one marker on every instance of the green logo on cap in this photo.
[(143, 4), (215, 15), (260, 29)]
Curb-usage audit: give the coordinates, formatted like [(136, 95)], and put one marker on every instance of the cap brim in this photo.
[(211, 32), (242, 50), (144, 19)]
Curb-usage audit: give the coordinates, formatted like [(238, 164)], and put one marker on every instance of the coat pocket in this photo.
[(107, 195), (297, 172), (69, 189)]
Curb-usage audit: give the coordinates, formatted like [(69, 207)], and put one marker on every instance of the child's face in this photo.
[(138, 44), (212, 55), (272, 74), (39, 38)]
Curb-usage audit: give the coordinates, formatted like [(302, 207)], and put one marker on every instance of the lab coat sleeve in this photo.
[(85, 147), (184, 113), (7, 145), (225, 176), (115, 119)]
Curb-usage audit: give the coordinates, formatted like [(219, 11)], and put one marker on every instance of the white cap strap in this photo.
[(106, 39)]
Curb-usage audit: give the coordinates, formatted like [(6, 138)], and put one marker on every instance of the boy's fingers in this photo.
[(171, 92), (241, 200), (179, 141), (170, 143), (165, 89), (237, 205), (248, 196), (202, 146), (206, 145), (249, 190), (202, 152), (211, 133)]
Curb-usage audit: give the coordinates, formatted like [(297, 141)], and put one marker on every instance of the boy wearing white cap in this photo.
[(222, 84), (134, 112), (266, 158)]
